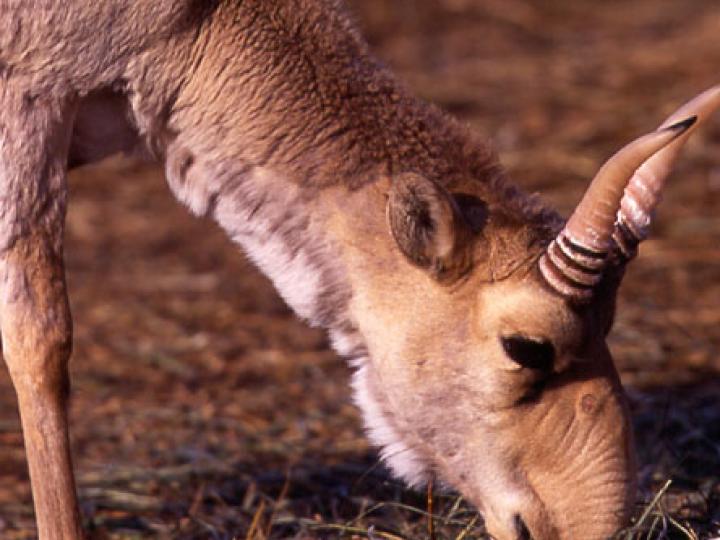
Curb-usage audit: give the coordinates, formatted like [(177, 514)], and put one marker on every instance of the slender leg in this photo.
[(34, 313)]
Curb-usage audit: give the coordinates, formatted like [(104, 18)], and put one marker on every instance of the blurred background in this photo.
[(202, 408)]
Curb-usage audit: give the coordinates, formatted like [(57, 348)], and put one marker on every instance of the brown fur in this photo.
[(274, 119)]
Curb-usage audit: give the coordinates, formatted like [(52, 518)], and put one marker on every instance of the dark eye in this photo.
[(530, 353)]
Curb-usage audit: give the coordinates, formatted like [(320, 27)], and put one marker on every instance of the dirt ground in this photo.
[(201, 408)]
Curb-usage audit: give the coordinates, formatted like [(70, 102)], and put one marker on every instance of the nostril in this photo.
[(521, 529)]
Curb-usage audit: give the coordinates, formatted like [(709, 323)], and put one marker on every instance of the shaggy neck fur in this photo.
[(297, 113)]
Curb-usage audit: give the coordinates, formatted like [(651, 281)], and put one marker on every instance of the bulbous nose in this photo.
[(580, 465)]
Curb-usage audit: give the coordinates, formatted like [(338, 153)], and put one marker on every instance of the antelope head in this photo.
[(494, 375)]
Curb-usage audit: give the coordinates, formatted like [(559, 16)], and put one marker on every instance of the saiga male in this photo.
[(475, 318)]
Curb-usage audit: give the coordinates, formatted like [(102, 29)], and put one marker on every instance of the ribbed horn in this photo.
[(574, 261), (643, 192)]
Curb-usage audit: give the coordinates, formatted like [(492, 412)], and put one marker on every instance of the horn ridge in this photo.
[(626, 239), (580, 255), (592, 223), (643, 192), (561, 282), (587, 237), (575, 269)]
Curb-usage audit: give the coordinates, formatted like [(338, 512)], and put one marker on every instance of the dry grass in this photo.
[(203, 409)]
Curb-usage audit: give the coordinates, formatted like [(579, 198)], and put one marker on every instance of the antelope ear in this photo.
[(428, 227)]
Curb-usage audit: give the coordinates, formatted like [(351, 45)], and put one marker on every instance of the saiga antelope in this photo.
[(475, 318)]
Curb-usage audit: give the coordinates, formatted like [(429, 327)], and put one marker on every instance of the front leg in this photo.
[(34, 313)]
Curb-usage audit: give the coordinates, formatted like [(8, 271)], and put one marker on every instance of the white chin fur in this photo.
[(404, 462)]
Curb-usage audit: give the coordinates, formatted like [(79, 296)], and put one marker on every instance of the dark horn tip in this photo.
[(683, 125)]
